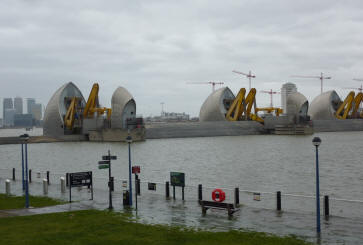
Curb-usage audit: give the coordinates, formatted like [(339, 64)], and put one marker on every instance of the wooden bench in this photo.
[(218, 205)]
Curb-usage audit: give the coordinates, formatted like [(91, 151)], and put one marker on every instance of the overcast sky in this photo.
[(153, 48)]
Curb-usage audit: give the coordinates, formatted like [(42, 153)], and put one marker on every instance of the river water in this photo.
[(261, 163)]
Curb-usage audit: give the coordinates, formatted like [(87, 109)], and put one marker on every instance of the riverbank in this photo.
[(104, 227)]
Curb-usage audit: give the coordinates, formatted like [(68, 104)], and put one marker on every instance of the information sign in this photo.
[(109, 157), (151, 186), (135, 169), (177, 179), (80, 179)]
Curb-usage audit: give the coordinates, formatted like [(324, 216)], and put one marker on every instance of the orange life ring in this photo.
[(218, 195)]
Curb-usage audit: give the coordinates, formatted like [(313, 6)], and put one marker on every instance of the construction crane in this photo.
[(270, 92), (321, 77), (248, 75), (212, 83), (359, 80), (92, 105)]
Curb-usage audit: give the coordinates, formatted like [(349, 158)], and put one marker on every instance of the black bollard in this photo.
[(200, 193), (48, 177), (174, 192), (111, 183), (67, 179), (167, 190), (138, 189), (326, 206), (13, 173), (279, 201), (236, 196), (30, 175), (183, 193)]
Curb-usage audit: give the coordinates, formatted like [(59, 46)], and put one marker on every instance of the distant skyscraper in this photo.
[(18, 105), (36, 111), (30, 103), (9, 117), (7, 104), (287, 88)]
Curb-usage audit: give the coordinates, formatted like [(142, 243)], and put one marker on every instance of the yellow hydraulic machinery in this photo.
[(92, 105), (277, 110), (241, 107), (70, 115), (349, 107)]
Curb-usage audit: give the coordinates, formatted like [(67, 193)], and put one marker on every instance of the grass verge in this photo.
[(104, 227), (18, 202)]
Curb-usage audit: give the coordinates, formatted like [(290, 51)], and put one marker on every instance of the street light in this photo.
[(24, 138), (316, 142), (129, 141)]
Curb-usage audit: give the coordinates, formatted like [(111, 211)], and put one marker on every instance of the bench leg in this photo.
[(230, 213), (204, 210)]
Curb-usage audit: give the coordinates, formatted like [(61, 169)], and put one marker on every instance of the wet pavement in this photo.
[(154, 208)]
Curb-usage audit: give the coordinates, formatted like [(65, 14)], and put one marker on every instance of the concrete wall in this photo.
[(338, 125), (203, 129), (116, 135)]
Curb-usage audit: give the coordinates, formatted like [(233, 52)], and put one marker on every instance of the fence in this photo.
[(252, 198)]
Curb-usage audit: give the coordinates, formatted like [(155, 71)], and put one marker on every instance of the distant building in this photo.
[(36, 111), (9, 117), (30, 102), (286, 90), (23, 120), (7, 104), (18, 105)]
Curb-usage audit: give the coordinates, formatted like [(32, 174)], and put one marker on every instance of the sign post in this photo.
[(177, 179), (136, 170), (106, 163), (80, 179)]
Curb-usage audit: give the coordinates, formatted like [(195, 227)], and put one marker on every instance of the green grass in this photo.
[(104, 227), (18, 202)]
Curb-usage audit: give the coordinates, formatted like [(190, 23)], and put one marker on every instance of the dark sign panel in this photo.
[(177, 179), (80, 179), (109, 157), (151, 186), (136, 169), (103, 162)]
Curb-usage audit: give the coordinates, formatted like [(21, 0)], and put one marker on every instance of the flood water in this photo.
[(262, 163)]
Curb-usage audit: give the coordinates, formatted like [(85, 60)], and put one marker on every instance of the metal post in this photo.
[(48, 177), (326, 206), (14, 174), (30, 175), (236, 196), (70, 187), (317, 192), (22, 167), (200, 192), (109, 182), (167, 190), (183, 193), (136, 190), (130, 178), (174, 192), (278, 206), (26, 177)]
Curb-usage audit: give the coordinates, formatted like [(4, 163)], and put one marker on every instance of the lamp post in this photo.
[(129, 141), (316, 142), (24, 138)]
